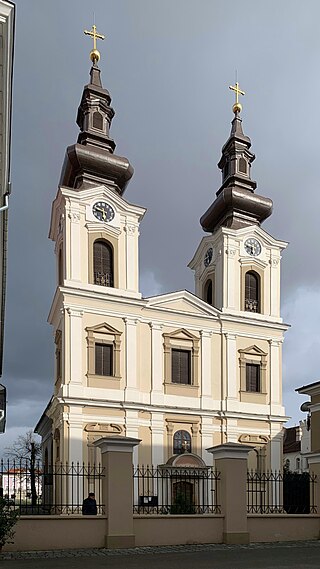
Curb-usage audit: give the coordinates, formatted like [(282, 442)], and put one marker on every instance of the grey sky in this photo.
[(167, 65)]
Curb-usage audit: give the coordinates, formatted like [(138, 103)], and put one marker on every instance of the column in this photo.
[(157, 438), (75, 455), (276, 444), (231, 463), (117, 489), (157, 393), (74, 246), (275, 375), (275, 287), (206, 369), (75, 345), (131, 257), (231, 367), (132, 431), (230, 282), (131, 390), (206, 439)]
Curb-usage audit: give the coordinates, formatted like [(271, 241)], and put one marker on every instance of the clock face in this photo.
[(252, 247), (103, 211), (208, 257)]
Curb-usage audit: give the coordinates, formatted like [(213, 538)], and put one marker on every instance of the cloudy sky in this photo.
[(167, 65)]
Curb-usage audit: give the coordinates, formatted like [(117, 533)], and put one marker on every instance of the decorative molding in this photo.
[(254, 439), (74, 216), (274, 262), (74, 312), (130, 229), (231, 252)]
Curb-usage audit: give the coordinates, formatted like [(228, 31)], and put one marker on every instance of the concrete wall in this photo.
[(283, 528), (177, 530), (36, 533), (42, 533)]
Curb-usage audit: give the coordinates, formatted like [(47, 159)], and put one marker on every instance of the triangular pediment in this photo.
[(182, 334), (103, 328), (253, 351), (182, 302)]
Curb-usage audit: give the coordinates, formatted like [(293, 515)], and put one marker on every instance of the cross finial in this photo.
[(94, 53), (237, 107)]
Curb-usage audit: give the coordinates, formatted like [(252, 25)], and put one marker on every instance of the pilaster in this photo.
[(157, 372), (131, 389), (206, 368), (157, 438), (75, 345)]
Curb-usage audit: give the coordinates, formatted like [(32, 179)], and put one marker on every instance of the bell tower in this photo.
[(237, 266)]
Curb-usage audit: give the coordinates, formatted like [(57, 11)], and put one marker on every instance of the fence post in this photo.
[(117, 489), (231, 462), (314, 468)]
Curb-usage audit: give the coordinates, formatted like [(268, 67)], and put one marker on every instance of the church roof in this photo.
[(91, 161), (236, 204)]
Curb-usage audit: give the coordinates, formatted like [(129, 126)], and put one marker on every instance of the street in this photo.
[(298, 555)]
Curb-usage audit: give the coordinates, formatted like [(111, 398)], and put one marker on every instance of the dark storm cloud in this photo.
[(168, 66)]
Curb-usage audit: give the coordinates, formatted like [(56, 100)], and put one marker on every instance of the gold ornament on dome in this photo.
[(237, 107), (94, 53)]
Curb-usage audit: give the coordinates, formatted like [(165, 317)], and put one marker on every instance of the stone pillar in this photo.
[(117, 489), (231, 462), (314, 468)]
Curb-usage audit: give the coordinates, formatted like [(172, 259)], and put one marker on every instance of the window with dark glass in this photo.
[(181, 366), (97, 120), (181, 442), (252, 292), (208, 292), (102, 263), (253, 378), (103, 359), (242, 166)]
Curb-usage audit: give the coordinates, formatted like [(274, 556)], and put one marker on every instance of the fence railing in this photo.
[(54, 489), (170, 490), (281, 492)]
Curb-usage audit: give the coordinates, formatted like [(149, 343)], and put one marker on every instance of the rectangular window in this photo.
[(253, 377), (181, 366), (104, 359)]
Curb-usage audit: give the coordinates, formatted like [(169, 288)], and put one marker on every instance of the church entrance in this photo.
[(182, 497)]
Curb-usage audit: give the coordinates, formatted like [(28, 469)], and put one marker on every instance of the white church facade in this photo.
[(180, 371)]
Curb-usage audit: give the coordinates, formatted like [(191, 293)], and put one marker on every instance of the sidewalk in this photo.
[(297, 555)]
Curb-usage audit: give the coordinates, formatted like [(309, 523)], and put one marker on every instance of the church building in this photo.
[(181, 371)]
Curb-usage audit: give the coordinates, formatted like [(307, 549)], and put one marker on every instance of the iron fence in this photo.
[(170, 490), (281, 492), (54, 489)]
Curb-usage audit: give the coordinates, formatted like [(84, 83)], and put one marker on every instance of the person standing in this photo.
[(89, 506)]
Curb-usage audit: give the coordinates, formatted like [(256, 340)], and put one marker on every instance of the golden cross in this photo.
[(93, 33), (237, 106), (94, 54)]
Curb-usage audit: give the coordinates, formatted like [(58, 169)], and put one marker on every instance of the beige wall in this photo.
[(41, 533), (265, 528), (65, 532), (176, 530)]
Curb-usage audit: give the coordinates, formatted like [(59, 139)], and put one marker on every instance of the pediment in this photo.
[(253, 351), (182, 334), (103, 328), (182, 302)]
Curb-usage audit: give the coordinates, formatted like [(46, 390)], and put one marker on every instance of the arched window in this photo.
[(242, 165), (102, 263), (181, 442), (97, 120), (208, 292), (252, 292)]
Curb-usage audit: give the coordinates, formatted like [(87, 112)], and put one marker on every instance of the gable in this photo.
[(182, 302), (253, 351)]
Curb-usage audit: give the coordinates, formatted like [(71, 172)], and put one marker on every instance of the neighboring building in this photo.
[(180, 371), (296, 444), (313, 408), (7, 23)]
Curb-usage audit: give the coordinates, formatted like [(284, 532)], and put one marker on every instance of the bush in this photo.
[(8, 518)]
